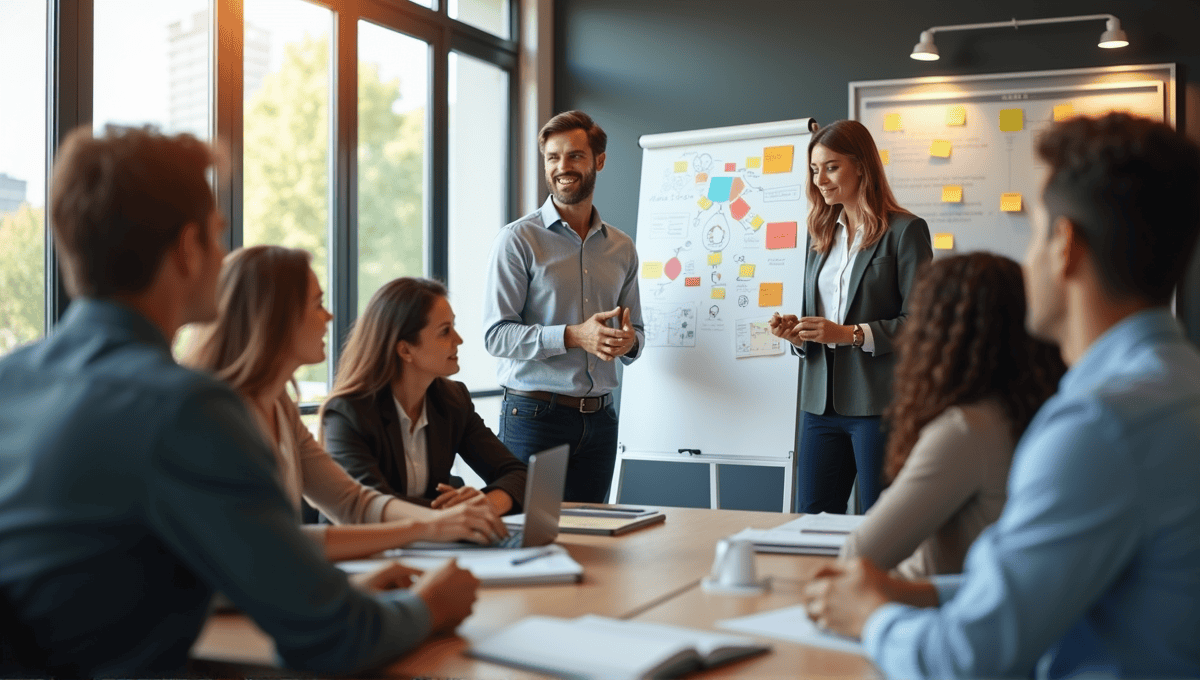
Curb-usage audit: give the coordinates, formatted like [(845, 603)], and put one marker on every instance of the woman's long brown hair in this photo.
[(965, 340), (876, 201), (369, 363), (261, 297)]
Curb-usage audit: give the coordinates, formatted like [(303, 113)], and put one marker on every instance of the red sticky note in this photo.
[(691, 281), (739, 208), (781, 235), (731, 167)]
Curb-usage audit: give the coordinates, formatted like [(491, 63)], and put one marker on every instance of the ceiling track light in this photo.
[(1112, 36)]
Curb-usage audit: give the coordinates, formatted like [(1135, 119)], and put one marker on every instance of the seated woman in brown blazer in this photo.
[(394, 421)]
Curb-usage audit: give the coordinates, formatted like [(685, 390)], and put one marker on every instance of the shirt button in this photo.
[(585, 299), (584, 271)]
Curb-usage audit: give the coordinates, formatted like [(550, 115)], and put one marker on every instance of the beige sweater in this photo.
[(952, 486)]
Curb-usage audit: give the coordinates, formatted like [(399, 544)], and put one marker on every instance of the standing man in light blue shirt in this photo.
[(1094, 566), (561, 305)]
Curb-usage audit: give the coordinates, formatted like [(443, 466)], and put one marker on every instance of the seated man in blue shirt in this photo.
[(132, 489), (1094, 566)]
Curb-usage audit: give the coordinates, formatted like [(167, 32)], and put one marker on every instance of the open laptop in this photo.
[(544, 486)]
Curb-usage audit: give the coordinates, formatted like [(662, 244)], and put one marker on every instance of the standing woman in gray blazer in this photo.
[(863, 254)]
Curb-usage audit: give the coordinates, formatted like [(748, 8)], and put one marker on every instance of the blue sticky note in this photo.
[(719, 189)]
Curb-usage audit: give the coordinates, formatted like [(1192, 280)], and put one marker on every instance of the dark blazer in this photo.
[(363, 436), (880, 283)]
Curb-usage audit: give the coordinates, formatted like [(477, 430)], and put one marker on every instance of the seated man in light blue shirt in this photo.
[(131, 488), (1094, 566)]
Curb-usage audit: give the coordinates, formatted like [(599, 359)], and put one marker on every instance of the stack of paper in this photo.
[(821, 534), (598, 520), (492, 566), (792, 624)]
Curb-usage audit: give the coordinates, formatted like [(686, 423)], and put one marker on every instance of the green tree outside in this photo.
[(22, 277)]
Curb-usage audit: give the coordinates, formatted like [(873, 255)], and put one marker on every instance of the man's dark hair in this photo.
[(574, 120), (1132, 187), (119, 201)]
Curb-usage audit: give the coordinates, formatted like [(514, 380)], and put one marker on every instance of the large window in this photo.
[(22, 172)]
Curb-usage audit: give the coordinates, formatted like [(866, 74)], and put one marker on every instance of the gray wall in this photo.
[(646, 66)]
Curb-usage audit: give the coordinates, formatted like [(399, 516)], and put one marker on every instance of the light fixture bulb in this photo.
[(1113, 36), (925, 50)]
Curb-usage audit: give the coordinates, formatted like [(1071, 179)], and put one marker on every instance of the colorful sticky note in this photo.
[(739, 209), (952, 193), (1010, 202), (757, 222), (754, 162), (781, 235), (681, 166), (718, 189), (770, 294), (736, 188), (1012, 120), (892, 123), (704, 203), (714, 259), (777, 159), (652, 270), (956, 115), (746, 271), (701, 177), (1063, 112), (691, 281), (943, 241), (718, 293), (885, 156), (940, 148), (731, 167)]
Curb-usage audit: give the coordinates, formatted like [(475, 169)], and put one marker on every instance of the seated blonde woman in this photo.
[(968, 381), (272, 320)]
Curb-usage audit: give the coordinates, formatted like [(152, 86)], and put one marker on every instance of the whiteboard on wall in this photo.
[(720, 238), (959, 151)]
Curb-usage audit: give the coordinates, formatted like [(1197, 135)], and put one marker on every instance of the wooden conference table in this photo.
[(652, 574)]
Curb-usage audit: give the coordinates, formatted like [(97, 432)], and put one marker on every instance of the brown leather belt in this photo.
[(583, 404)]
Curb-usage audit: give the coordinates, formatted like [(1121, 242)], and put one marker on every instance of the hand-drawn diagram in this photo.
[(670, 325), (752, 338)]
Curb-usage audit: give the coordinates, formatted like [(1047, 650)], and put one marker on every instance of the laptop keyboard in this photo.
[(513, 541)]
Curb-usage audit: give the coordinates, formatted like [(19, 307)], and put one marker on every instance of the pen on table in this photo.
[(601, 508), (827, 532), (529, 558)]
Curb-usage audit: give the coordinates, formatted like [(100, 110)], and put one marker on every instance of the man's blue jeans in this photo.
[(528, 426)]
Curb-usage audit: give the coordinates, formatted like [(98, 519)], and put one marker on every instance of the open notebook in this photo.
[(609, 649)]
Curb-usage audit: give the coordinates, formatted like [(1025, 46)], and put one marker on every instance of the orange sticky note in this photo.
[(770, 294), (781, 235), (943, 241), (885, 156), (1010, 202), (681, 166), (714, 259), (691, 281), (652, 270), (956, 115), (704, 203), (940, 148), (718, 293), (701, 177), (1012, 120), (952, 193), (892, 123), (757, 222), (777, 159), (1063, 112), (754, 162)]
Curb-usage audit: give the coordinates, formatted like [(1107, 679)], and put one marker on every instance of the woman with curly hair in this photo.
[(968, 381)]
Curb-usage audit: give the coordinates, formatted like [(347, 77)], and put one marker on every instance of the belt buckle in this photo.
[(599, 404)]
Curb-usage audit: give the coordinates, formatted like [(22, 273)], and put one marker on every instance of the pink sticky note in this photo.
[(738, 209), (731, 167), (781, 235)]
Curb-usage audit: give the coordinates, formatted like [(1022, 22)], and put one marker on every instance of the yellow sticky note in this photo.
[(754, 162), (681, 166), (746, 271), (1012, 120), (943, 241), (770, 294), (956, 115), (1010, 202), (757, 222), (1063, 112), (718, 293), (777, 159), (704, 203), (885, 156), (652, 270), (892, 123), (714, 259), (940, 148), (952, 193)]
